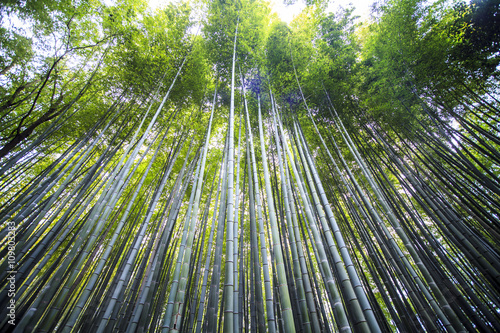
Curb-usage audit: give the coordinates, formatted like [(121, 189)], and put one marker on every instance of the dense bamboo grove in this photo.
[(208, 168)]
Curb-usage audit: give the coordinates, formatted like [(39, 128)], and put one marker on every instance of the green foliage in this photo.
[(279, 60), (46, 13), (416, 52), (219, 32), (476, 26), (252, 19), (148, 46), (394, 206), (16, 49)]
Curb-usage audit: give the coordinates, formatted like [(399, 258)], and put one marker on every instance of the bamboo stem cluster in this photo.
[(310, 229)]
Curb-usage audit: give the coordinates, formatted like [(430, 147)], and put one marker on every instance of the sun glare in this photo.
[(287, 12)]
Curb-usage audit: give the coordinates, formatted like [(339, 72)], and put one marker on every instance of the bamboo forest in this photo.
[(205, 166)]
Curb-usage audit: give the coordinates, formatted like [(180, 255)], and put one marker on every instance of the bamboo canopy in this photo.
[(231, 182)]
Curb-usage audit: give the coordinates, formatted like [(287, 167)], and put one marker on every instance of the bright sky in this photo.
[(286, 13)]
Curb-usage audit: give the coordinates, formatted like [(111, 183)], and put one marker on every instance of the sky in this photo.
[(286, 13)]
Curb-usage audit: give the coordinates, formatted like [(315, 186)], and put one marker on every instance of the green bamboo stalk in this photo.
[(179, 304), (213, 297), (102, 261), (285, 302), (397, 227), (360, 299), (236, 299), (293, 245), (178, 267), (257, 306), (341, 271), (201, 304), (229, 280), (133, 254), (265, 266), (340, 314)]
